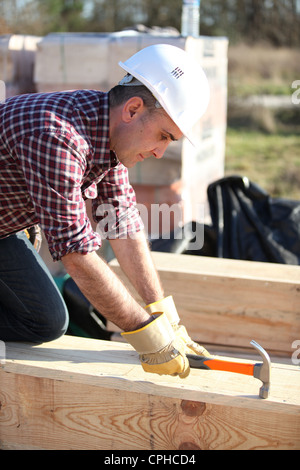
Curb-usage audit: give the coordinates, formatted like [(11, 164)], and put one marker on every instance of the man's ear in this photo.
[(132, 108)]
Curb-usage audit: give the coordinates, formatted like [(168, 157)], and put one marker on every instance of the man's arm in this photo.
[(105, 291), (135, 260)]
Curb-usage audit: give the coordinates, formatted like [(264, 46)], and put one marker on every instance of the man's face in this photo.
[(141, 134)]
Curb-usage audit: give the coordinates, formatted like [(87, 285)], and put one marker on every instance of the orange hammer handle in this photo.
[(201, 362), (229, 366)]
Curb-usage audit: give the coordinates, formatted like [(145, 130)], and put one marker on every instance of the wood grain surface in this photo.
[(231, 302), (77, 393)]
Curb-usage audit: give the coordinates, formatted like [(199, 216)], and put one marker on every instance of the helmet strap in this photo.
[(129, 80)]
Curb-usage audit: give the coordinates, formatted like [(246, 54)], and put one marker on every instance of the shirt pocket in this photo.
[(91, 192)]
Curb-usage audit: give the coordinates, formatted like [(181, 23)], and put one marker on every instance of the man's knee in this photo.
[(54, 324)]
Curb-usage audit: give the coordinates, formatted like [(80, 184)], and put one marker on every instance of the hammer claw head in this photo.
[(264, 391), (262, 371)]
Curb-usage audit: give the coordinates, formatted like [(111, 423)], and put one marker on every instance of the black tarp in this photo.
[(247, 224)]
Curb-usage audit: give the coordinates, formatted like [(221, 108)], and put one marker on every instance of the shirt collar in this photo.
[(103, 154)]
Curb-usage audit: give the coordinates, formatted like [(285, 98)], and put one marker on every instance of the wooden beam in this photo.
[(231, 302), (78, 393)]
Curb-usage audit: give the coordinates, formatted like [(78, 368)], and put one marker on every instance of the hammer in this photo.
[(260, 371)]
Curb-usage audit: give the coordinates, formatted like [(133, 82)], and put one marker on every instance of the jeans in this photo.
[(31, 306)]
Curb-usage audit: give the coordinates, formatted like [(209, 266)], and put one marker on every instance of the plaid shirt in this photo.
[(54, 153)]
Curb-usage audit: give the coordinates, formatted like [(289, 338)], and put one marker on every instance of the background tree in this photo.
[(274, 21)]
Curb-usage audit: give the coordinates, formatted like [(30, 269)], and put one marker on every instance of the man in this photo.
[(58, 149)]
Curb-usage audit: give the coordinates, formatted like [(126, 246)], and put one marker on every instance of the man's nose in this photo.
[(158, 152)]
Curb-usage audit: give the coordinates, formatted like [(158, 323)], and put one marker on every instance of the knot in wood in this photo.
[(193, 408)]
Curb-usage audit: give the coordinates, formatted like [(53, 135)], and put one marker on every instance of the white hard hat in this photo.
[(175, 79)]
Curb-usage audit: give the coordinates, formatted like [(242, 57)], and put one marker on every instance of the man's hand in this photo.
[(167, 306), (160, 351)]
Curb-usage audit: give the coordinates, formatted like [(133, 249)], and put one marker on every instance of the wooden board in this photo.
[(231, 302), (78, 393)]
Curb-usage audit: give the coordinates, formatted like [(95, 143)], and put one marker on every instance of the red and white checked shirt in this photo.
[(54, 153)]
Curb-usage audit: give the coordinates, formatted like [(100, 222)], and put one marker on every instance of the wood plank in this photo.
[(78, 393), (231, 302)]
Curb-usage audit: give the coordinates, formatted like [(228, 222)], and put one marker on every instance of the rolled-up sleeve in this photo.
[(114, 209), (54, 165)]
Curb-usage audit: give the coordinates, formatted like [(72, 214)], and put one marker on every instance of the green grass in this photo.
[(262, 69), (269, 160), (243, 90), (262, 143)]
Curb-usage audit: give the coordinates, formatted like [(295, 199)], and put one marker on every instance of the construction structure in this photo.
[(80, 393)]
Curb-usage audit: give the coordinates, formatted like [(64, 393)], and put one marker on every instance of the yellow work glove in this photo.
[(167, 306), (160, 351)]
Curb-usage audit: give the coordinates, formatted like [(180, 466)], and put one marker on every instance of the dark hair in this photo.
[(120, 94)]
